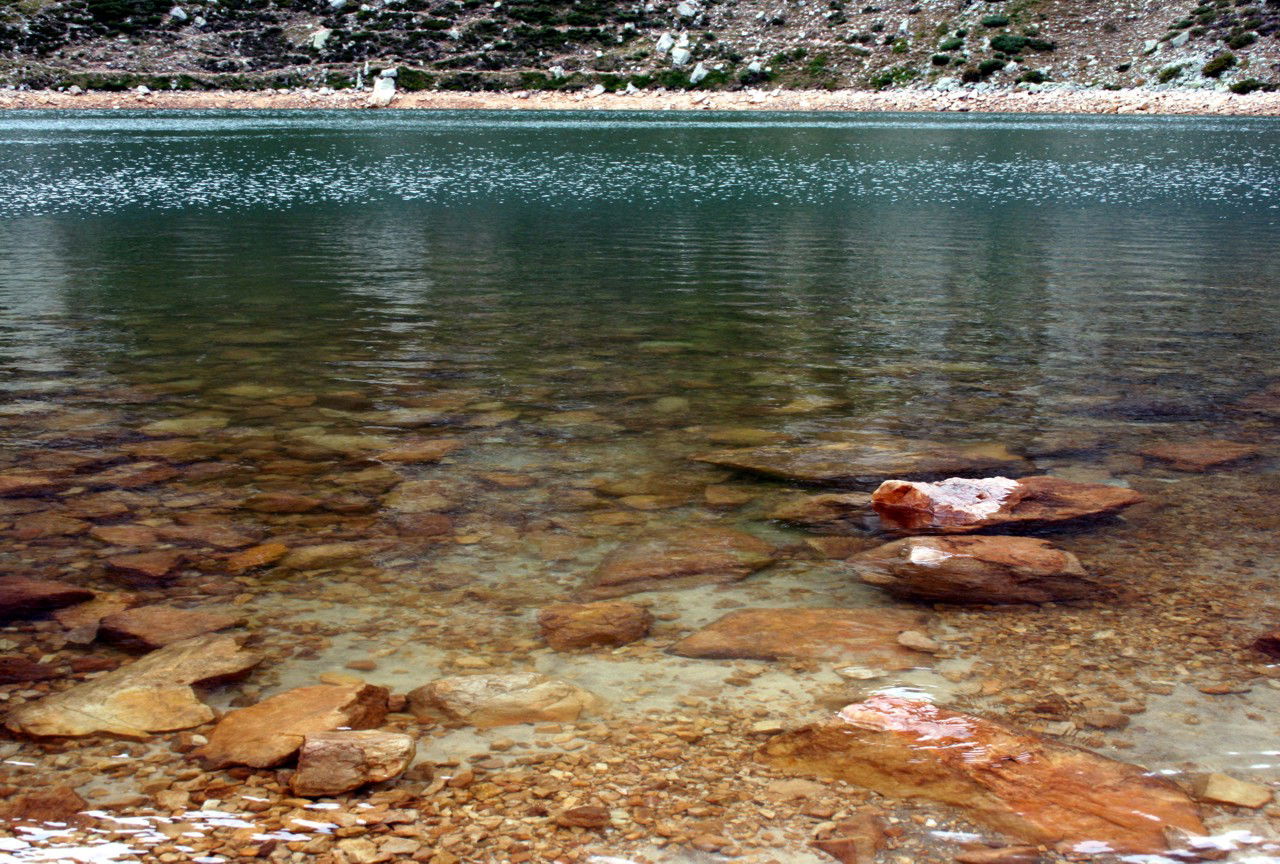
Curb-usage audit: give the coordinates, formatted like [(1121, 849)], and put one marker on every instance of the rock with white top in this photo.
[(665, 43), (384, 90), (698, 74), (680, 56)]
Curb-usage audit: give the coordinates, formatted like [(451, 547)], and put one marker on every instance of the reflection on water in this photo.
[(581, 303)]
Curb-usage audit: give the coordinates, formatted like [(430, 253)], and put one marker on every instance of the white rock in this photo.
[(200, 22), (320, 37), (687, 9), (556, 72), (384, 90), (1181, 39), (74, 90), (665, 43), (337, 4), (389, 73), (680, 56), (699, 72), (177, 13), (595, 91), (631, 89), (142, 90), (755, 66)]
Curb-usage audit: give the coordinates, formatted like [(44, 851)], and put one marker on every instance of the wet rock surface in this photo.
[(270, 732), (831, 513), (977, 569), (1203, 455), (330, 763), (24, 598), (1025, 786), (959, 506), (679, 559), (157, 626), (503, 700), (567, 626)]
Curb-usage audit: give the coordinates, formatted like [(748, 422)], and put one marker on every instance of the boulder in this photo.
[(1200, 456), (566, 626), (144, 567), (271, 731), (36, 526), (254, 557), (124, 535), (160, 625), (959, 506), (1223, 789), (419, 451), (829, 513), (152, 694), (60, 804), (25, 598), (855, 465), (1006, 779), (680, 559), (866, 635), (330, 763), (503, 699), (17, 484), (82, 619), (976, 569)]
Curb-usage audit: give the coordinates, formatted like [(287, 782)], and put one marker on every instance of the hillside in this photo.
[(716, 44)]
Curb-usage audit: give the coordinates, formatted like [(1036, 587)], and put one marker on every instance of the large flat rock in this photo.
[(270, 732), (24, 598), (853, 465), (868, 636), (1007, 779), (958, 505), (152, 694), (503, 699), (976, 569), (839, 513), (679, 559)]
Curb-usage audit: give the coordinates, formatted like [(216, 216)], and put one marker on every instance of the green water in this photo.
[(585, 301)]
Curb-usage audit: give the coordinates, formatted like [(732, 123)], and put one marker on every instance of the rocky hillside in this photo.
[(553, 44)]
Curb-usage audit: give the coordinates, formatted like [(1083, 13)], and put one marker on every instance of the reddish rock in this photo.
[(24, 598), (132, 476), (103, 505), (420, 450), (679, 559), (330, 763), (855, 840), (58, 804), (421, 526), (832, 513), (726, 497), (503, 699), (280, 502), (566, 626), (958, 506), (18, 670), (82, 619), (218, 536), (124, 535), (36, 525), (865, 635), (1009, 780), (255, 557), (268, 733), (1203, 455), (1000, 855), (157, 566), (1269, 643), (853, 465), (977, 569), (1266, 401), (173, 450), (156, 626), (584, 816), (17, 484)]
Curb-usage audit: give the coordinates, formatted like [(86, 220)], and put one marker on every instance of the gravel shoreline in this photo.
[(1189, 102)]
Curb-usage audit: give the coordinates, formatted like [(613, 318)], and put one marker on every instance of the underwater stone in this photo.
[(566, 626), (679, 559), (330, 763), (503, 699)]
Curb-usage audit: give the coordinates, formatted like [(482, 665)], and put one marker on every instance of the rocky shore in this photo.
[(999, 101)]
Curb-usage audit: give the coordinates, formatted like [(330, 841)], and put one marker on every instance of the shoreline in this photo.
[(1137, 101)]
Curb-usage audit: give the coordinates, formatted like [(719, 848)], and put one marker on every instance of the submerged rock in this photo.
[(17, 484), (144, 567), (680, 559), (829, 513), (1203, 455), (20, 670), (858, 464), (958, 505), (270, 732), (1010, 780), (1222, 789), (55, 804), (152, 694), (25, 598), (503, 699), (566, 626), (979, 569), (1265, 401), (420, 451), (865, 635), (330, 763), (156, 626), (254, 557)]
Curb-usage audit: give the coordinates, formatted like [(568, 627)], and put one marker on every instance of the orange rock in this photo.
[(869, 635), (16, 484), (219, 536), (255, 557), (132, 476), (55, 804), (124, 535), (331, 763), (978, 569), (36, 525), (155, 566), (566, 626), (23, 598), (722, 495), (82, 619), (831, 513), (155, 626), (855, 840), (958, 506), (16, 669), (679, 559), (1203, 455), (1013, 781), (280, 502), (270, 732), (420, 450)]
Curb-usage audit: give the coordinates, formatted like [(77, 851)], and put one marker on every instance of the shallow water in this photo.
[(586, 301)]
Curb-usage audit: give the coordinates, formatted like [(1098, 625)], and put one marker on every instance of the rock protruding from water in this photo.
[(844, 513), (1201, 456), (503, 699), (25, 598), (152, 694), (567, 626), (958, 505), (854, 465), (330, 763), (868, 636), (1010, 780), (680, 559), (268, 733), (977, 569)]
